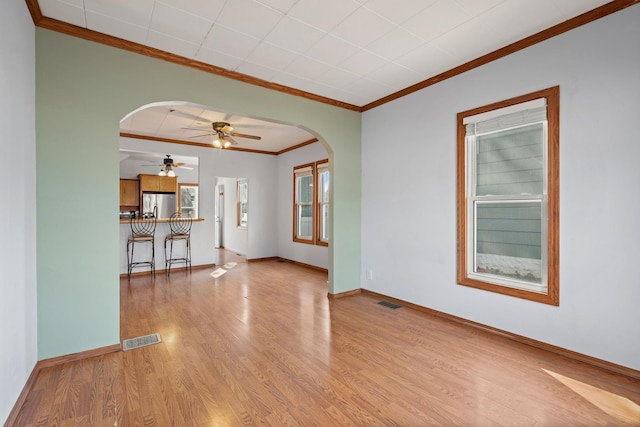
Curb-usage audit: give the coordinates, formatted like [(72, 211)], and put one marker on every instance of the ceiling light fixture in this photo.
[(167, 171), (221, 142)]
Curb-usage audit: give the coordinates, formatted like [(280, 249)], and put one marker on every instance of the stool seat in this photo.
[(178, 236), (140, 238), (180, 230)]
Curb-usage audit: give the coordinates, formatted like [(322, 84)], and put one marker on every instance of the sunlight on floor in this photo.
[(218, 272), (614, 405)]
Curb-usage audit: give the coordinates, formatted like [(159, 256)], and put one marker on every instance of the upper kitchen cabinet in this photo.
[(129, 194), (157, 183)]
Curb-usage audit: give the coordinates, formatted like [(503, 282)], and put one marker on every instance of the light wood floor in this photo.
[(263, 345)]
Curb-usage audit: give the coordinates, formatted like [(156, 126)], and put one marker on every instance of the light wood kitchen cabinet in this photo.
[(129, 194), (165, 184)]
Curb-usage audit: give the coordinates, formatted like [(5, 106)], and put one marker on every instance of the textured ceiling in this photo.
[(353, 51)]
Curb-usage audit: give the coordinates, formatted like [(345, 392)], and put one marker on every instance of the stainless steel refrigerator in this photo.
[(165, 203)]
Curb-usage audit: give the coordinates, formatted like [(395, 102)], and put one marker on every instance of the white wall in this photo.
[(260, 169), (409, 192), (17, 191), (287, 248)]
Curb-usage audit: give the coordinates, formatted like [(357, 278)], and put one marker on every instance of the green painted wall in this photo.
[(83, 89)]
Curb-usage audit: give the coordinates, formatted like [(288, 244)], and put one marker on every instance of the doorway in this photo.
[(231, 220)]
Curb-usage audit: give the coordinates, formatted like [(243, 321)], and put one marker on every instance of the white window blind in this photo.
[(507, 187)]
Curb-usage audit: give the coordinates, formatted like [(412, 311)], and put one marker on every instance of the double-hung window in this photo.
[(508, 197), (311, 203), (303, 203), (322, 175)]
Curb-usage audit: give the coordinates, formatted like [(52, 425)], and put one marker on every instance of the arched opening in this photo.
[(79, 311)]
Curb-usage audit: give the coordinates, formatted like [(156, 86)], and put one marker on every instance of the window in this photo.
[(322, 178), (242, 202), (508, 182), (311, 207), (188, 200), (303, 204)]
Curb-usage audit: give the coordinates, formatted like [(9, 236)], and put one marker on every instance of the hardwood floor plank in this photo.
[(263, 345)]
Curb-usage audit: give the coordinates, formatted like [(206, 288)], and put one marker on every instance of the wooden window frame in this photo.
[(316, 205), (296, 238), (552, 296), (320, 164)]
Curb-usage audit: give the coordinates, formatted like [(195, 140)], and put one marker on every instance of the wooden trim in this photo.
[(195, 144), (302, 264), (295, 147), (74, 357), (563, 27), (269, 258), (22, 398), (344, 294), (589, 360), (47, 363), (94, 36), (34, 10), (318, 207), (552, 297), (297, 239), (161, 220)]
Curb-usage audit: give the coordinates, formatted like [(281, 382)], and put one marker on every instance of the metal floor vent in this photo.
[(138, 342), (389, 304)]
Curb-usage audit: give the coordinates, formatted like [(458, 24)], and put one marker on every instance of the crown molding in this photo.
[(94, 36), (570, 24), (195, 144), (563, 27)]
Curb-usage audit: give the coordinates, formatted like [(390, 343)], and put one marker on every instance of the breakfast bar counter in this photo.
[(159, 220), (202, 247)]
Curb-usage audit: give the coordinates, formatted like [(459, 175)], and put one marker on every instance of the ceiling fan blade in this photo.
[(203, 128), (242, 135), (185, 167), (204, 134)]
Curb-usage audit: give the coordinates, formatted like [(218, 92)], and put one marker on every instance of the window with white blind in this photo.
[(322, 178), (508, 197)]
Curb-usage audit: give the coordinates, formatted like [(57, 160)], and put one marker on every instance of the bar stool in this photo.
[(180, 230), (142, 231)]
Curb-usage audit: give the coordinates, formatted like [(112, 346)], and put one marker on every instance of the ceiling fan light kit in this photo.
[(168, 165), (167, 171), (223, 134)]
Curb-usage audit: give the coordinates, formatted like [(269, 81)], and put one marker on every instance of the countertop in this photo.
[(159, 220)]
